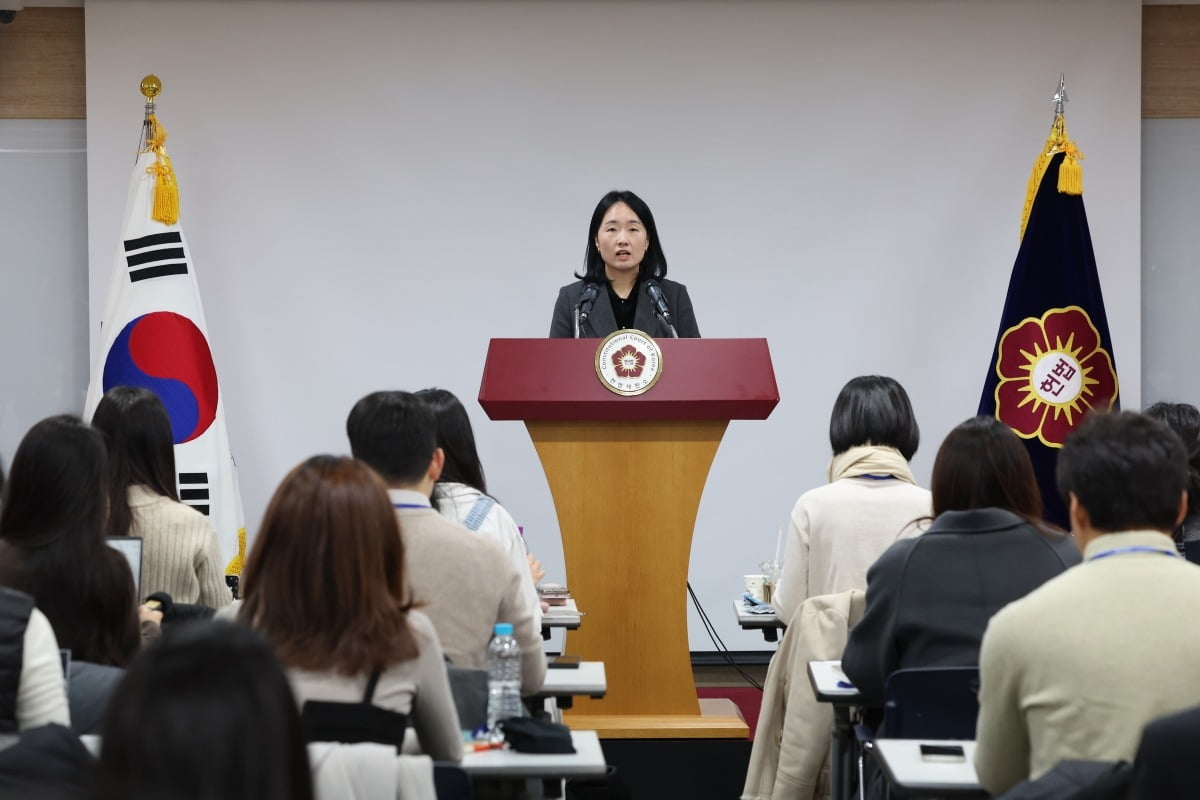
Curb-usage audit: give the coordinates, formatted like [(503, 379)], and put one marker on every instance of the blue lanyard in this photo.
[(878, 477), (1116, 551), (410, 505)]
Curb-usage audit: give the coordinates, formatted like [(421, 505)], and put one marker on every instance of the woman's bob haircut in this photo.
[(874, 410)]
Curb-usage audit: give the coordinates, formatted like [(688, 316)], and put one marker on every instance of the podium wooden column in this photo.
[(627, 474)]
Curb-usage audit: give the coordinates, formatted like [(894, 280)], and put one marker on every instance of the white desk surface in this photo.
[(912, 773), (588, 680), (829, 682), (588, 759), (750, 621), (567, 616)]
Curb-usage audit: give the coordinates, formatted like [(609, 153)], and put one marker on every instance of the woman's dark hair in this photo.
[(1184, 419), (325, 580), (204, 713), (457, 440), (983, 464), (654, 264), (141, 449), (874, 410), (52, 543)]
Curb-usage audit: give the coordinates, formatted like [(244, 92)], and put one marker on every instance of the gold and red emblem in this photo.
[(628, 362), (1052, 370)]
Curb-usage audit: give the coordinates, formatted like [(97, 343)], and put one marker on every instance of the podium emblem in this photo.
[(628, 362)]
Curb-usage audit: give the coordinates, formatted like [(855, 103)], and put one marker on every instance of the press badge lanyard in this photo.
[(1116, 551), (410, 505)]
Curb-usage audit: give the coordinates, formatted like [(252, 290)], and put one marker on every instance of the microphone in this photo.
[(590, 290), (660, 306)]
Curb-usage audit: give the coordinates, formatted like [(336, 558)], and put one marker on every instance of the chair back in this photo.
[(931, 703)]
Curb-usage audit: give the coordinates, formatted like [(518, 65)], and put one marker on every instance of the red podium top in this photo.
[(555, 379)]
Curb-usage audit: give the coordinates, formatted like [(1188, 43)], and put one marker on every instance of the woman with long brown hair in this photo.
[(325, 583), (929, 598), (181, 555)]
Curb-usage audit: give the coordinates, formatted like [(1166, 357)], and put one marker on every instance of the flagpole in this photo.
[(151, 86)]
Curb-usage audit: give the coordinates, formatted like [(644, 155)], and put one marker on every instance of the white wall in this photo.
[(43, 274), (371, 190), (1170, 259)]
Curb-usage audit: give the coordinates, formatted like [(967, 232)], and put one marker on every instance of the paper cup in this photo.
[(756, 586)]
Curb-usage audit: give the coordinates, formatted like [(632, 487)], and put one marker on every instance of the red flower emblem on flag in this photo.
[(1052, 371), (628, 361)]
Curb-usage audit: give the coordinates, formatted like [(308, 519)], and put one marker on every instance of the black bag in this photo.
[(528, 735), (351, 723)]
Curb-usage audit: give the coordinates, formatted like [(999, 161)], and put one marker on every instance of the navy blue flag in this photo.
[(1052, 362)]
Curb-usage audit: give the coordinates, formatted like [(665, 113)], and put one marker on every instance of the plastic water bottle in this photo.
[(504, 676)]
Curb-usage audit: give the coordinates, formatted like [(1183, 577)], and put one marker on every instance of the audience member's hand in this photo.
[(535, 570), (148, 614)]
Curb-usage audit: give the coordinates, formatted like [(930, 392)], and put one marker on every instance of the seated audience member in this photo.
[(205, 713), (929, 598), (460, 494), (1184, 419), (52, 542), (180, 552), (466, 582), (32, 692), (837, 531), (325, 583), (1076, 668)]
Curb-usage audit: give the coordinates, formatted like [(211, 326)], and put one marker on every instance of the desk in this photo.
[(588, 759), (588, 680), (566, 616), (919, 776), (830, 686), (769, 624)]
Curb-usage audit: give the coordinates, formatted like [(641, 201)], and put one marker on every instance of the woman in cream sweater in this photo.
[(837, 531), (180, 555)]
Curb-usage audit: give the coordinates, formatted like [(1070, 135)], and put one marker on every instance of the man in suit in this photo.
[(463, 582), (1075, 669)]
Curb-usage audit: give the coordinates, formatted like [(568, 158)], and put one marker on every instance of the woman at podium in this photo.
[(624, 282)]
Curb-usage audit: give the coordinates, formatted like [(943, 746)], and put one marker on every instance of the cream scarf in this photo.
[(870, 460)]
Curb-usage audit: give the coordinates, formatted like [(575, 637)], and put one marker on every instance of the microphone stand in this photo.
[(577, 321), (666, 320)]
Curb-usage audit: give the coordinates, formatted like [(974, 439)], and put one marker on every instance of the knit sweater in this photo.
[(475, 511), (418, 688), (837, 531), (465, 585), (180, 555)]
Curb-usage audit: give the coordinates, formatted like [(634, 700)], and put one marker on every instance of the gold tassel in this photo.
[(1070, 174), (238, 562), (166, 190)]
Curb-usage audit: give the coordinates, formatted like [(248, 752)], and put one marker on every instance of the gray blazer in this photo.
[(601, 322)]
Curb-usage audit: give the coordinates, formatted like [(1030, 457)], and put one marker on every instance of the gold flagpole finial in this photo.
[(151, 86)]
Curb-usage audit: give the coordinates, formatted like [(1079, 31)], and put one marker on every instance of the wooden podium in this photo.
[(626, 474)]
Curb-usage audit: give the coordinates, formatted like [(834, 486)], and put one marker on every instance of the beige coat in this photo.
[(790, 755)]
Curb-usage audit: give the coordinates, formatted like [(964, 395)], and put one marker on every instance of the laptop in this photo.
[(131, 548)]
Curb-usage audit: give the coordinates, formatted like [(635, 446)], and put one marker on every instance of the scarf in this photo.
[(870, 460)]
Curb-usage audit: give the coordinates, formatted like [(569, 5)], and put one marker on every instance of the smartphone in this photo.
[(565, 662), (943, 752)]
